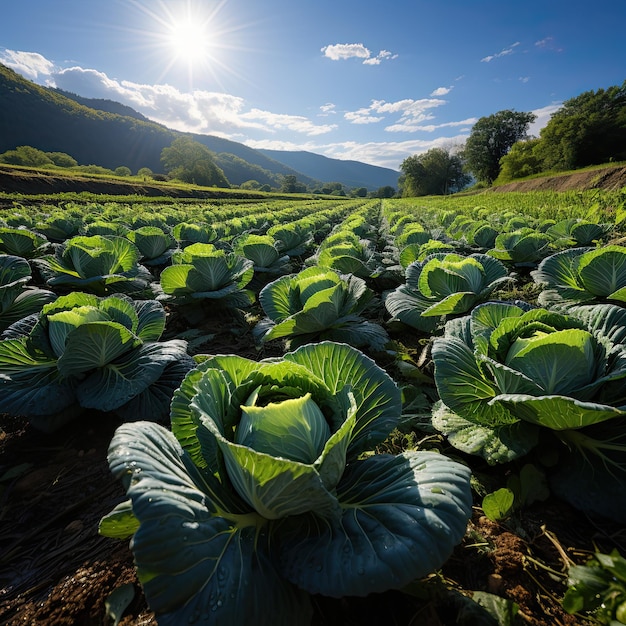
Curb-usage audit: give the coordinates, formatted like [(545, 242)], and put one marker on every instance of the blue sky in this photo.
[(350, 79)]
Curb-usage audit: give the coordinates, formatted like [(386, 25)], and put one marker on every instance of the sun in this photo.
[(189, 40)]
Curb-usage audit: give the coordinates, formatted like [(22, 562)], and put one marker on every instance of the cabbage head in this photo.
[(582, 275), (513, 379), (444, 284), (203, 272), (261, 494), (84, 352), (318, 303), (155, 245), (98, 264), (524, 247)]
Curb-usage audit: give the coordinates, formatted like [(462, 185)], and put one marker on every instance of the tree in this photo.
[(523, 159), (384, 192), (61, 159), (436, 172), (290, 184), (26, 155), (122, 170), (192, 162), (587, 130), (491, 138)]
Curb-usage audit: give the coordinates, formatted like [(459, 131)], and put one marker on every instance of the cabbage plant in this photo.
[(155, 245), (577, 232), (582, 275), (292, 239), (23, 242), (201, 272), (17, 299), (263, 251), (444, 284), (98, 264), (266, 491), (84, 352), (514, 380), (523, 247), (318, 303)]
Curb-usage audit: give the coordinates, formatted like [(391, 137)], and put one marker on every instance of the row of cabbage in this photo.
[(266, 488)]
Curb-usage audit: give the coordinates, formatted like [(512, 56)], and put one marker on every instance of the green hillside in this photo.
[(109, 134)]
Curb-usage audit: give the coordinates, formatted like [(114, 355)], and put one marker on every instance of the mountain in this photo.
[(110, 134), (353, 173)]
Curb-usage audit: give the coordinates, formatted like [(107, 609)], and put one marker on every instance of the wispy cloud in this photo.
[(548, 43), (442, 91), (430, 128), (382, 153), (502, 53), (327, 109), (411, 112), (343, 51)]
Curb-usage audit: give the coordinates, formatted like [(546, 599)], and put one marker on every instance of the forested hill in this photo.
[(109, 134)]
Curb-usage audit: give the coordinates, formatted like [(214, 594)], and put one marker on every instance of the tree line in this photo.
[(185, 160), (589, 129)]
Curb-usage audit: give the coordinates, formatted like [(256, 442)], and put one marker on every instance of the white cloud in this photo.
[(29, 64), (442, 91), (543, 117), (343, 51), (384, 154), (411, 127), (197, 111), (524, 79), (327, 109), (502, 53), (411, 112)]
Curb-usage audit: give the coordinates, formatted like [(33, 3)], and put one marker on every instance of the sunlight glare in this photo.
[(190, 40)]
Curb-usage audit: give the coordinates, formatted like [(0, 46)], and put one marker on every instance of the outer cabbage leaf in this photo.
[(190, 562), (402, 516), (118, 381), (496, 444), (591, 473)]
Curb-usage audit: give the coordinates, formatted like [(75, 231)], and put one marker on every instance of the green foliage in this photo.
[(202, 272), (192, 162), (522, 160), (99, 264), (588, 129), (435, 172), (262, 495), (17, 299), (491, 138), (26, 155), (317, 304), (83, 352), (444, 284), (598, 588), (583, 275), (510, 377)]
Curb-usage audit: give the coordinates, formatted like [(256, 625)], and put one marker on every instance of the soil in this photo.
[(55, 569), (607, 178)]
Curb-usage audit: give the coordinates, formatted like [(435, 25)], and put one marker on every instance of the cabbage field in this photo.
[(313, 411)]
